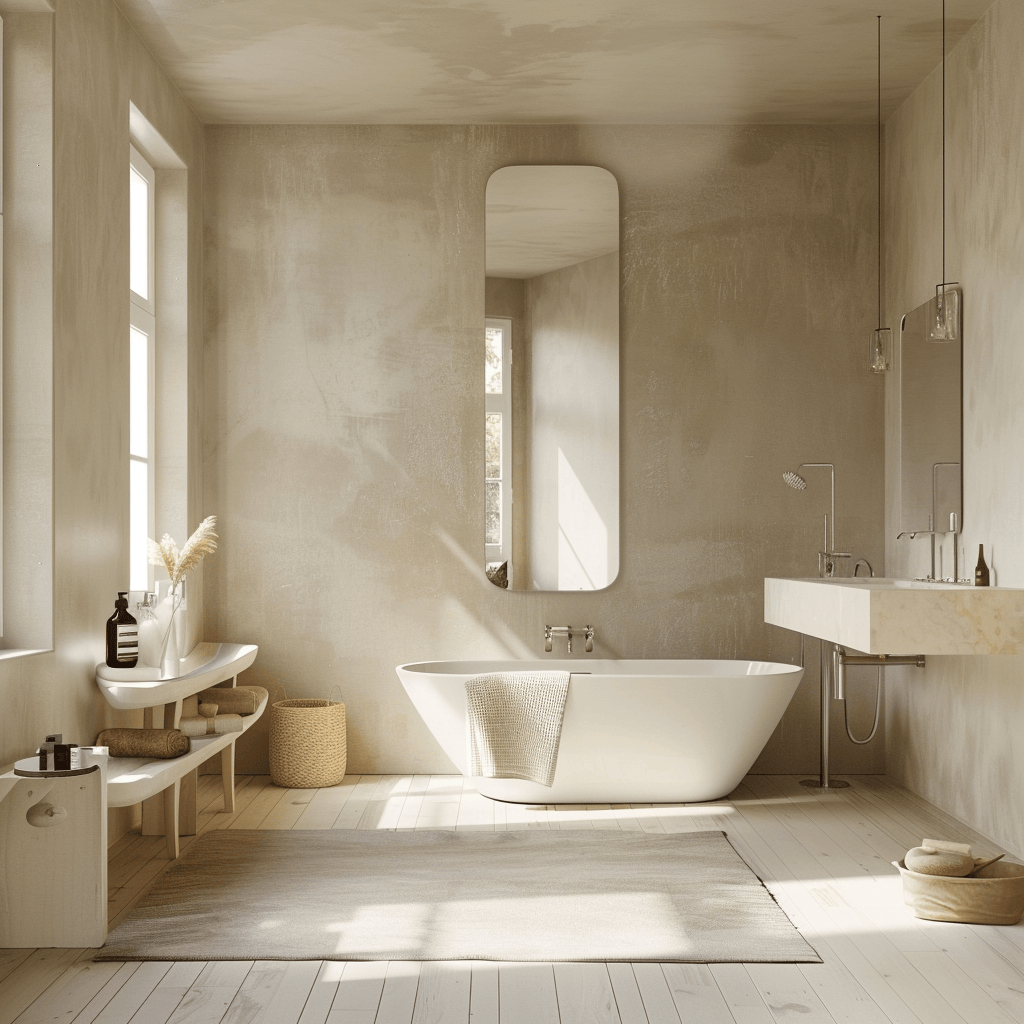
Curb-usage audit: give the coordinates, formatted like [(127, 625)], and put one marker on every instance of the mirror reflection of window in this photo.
[(498, 450)]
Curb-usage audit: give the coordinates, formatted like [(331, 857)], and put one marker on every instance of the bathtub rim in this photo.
[(632, 667)]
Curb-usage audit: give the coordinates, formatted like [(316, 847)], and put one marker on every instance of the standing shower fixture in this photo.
[(826, 558), (881, 338), (946, 326)]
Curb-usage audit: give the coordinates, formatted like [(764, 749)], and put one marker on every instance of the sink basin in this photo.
[(879, 615), (207, 665)]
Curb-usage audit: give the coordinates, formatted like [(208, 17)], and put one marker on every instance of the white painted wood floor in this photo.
[(826, 859)]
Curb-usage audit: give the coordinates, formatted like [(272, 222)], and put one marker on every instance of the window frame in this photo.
[(142, 317)]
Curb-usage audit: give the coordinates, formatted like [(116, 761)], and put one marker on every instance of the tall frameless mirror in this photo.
[(931, 441), (551, 362)]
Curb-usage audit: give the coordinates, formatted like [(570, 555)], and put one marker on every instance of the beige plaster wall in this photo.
[(954, 727), (100, 66), (345, 298)]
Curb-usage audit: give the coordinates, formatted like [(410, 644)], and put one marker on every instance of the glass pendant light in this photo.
[(946, 326), (881, 337)]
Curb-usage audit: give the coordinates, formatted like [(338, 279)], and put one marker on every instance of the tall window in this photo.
[(498, 444), (141, 341)]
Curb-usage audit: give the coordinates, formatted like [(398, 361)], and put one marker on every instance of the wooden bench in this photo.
[(135, 780), (132, 780)]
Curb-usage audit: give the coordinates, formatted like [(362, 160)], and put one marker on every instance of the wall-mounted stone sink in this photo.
[(888, 616)]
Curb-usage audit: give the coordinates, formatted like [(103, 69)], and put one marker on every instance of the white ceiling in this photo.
[(545, 61)]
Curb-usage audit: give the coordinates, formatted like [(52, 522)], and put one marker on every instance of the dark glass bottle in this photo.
[(981, 569), (122, 636)]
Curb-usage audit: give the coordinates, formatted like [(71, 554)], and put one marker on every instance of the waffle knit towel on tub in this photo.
[(513, 724)]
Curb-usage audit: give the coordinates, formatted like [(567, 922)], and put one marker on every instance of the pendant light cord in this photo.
[(943, 145), (880, 171)]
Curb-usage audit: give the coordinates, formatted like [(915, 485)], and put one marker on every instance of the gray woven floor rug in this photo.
[(441, 895)]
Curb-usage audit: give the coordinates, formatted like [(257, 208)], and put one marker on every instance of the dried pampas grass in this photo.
[(178, 563)]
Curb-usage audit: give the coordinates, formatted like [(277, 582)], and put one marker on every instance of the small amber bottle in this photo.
[(122, 636), (981, 569)]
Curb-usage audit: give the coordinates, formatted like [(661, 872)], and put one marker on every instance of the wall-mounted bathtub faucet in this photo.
[(553, 631), (588, 633)]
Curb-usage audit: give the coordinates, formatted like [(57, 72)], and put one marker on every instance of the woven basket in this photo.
[(308, 745), (994, 896)]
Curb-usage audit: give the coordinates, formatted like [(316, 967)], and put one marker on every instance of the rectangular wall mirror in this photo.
[(551, 357), (931, 418)]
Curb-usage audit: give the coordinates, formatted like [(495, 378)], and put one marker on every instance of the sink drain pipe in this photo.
[(837, 691)]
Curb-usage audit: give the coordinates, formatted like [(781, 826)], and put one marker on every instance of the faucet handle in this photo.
[(547, 639), (589, 634)]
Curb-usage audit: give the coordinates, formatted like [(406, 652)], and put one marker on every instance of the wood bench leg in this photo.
[(227, 774), (188, 820), (171, 798)]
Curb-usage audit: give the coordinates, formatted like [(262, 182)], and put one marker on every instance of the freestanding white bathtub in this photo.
[(633, 731)]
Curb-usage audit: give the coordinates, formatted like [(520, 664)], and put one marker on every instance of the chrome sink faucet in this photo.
[(550, 632)]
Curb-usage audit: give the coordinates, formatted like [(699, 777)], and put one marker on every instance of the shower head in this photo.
[(798, 483)]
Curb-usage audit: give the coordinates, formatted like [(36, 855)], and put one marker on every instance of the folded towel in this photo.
[(217, 725), (154, 743), (514, 723), (234, 700)]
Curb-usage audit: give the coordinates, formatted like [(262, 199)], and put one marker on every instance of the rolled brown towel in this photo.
[(218, 725), (154, 743), (233, 700)]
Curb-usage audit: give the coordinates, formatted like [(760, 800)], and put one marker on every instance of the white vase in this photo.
[(170, 655), (170, 662)]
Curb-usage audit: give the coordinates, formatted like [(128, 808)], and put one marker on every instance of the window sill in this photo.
[(12, 653)]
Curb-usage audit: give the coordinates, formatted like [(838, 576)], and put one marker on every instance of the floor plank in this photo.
[(70, 993), (33, 976), (656, 995), (696, 993), (321, 995), (741, 994), (165, 998), (584, 993), (326, 805), (787, 993), (440, 806), (526, 994), (398, 997), (628, 1000), (443, 995), (128, 999), (483, 996), (274, 992)]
